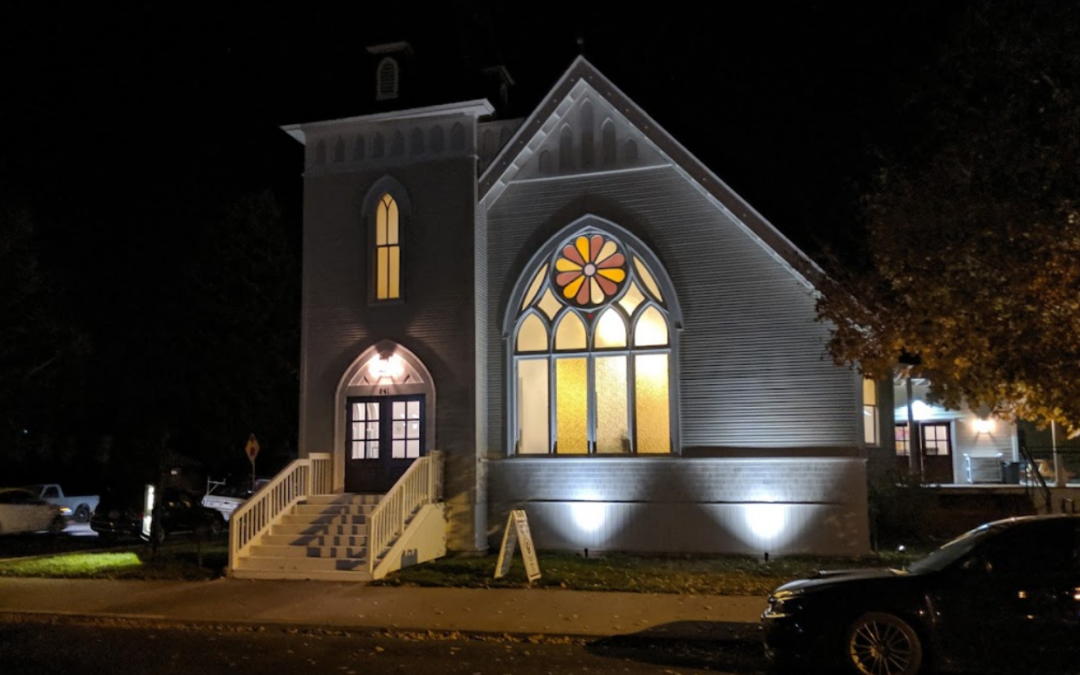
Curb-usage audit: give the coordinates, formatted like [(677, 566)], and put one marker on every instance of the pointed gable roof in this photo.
[(545, 120)]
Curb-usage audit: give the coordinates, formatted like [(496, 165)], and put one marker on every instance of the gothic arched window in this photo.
[(387, 250), (592, 352)]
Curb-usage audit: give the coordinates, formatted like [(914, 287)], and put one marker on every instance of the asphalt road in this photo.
[(40, 647)]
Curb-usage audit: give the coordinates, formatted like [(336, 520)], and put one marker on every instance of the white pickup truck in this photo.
[(76, 508), (226, 498)]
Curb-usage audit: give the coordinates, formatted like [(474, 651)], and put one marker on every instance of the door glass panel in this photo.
[(398, 430), (373, 449), (571, 399), (357, 450), (372, 410), (412, 449), (358, 411), (413, 429), (652, 409), (414, 410), (372, 431), (358, 430), (532, 396), (399, 410), (398, 450)]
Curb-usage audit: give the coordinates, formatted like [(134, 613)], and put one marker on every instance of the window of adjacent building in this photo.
[(387, 250), (870, 412), (387, 79), (592, 353), (935, 437)]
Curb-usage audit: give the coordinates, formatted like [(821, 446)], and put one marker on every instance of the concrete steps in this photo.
[(323, 538)]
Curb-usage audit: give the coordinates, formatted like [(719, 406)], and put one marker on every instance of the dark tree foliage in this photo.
[(972, 249), (241, 348), (40, 346)]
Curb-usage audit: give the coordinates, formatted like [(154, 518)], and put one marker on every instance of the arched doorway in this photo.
[(385, 418)]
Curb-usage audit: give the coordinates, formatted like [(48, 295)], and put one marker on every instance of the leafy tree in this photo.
[(38, 340), (241, 349), (972, 250)]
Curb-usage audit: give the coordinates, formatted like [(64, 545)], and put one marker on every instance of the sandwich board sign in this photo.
[(517, 530)]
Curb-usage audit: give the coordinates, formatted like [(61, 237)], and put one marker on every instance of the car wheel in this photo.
[(57, 525), (82, 513), (157, 535), (879, 643)]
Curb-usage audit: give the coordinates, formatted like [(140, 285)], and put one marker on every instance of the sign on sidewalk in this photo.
[(517, 529)]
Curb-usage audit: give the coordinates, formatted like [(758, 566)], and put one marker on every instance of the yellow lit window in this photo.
[(387, 250)]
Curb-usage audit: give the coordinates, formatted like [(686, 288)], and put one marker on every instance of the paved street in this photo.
[(38, 646)]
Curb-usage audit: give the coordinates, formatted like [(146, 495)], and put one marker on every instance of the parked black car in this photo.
[(121, 514), (1004, 597)]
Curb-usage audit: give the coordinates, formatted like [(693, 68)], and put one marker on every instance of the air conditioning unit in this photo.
[(984, 468)]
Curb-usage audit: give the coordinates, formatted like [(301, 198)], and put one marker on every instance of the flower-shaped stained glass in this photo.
[(590, 271)]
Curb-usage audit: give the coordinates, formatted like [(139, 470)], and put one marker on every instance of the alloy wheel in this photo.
[(883, 644)]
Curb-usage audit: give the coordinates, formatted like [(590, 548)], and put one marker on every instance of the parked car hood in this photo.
[(829, 578)]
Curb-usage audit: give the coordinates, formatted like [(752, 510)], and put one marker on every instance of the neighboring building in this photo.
[(588, 322)]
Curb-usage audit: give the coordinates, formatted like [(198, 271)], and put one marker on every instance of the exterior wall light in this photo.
[(983, 426), (386, 366)]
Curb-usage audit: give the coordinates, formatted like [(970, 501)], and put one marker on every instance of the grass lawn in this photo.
[(173, 561), (720, 575), (702, 575)]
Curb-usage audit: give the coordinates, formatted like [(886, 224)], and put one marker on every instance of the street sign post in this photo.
[(252, 451)]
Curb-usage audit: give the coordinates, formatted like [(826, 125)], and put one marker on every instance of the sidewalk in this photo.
[(358, 606)]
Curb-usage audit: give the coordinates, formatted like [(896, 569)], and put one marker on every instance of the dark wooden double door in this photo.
[(385, 436)]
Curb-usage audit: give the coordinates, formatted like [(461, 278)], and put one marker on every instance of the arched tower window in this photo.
[(386, 79), (592, 351), (387, 250)]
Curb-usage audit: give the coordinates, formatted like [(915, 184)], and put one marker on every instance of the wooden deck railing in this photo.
[(421, 484), (304, 477)]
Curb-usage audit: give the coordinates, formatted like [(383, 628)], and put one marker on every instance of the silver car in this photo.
[(22, 511)]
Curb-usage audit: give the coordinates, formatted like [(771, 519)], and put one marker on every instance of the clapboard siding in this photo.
[(753, 370), (689, 505)]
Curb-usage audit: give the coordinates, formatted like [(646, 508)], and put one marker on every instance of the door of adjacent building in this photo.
[(936, 444), (385, 435)]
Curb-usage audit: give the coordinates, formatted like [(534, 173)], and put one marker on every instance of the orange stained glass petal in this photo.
[(608, 287), (572, 288), (564, 265), (596, 294), (594, 247), (392, 223), (616, 260), (582, 245), (534, 287), (571, 254), (583, 294), (395, 271), (605, 253), (615, 275), (571, 406), (563, 278)]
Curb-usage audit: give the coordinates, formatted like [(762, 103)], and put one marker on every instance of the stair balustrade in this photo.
[(421, 484), (312, 475)]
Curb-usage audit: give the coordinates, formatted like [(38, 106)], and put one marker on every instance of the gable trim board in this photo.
[(537, 127)]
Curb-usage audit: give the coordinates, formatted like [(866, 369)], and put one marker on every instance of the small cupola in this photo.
[(388, 68)]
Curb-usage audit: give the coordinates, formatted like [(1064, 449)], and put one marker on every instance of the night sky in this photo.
[(127, 127)]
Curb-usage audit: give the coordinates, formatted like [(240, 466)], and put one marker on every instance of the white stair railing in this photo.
[(421, 484), (311, 475)]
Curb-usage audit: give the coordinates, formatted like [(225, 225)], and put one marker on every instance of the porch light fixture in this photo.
[(983, 426), (386, 366)]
